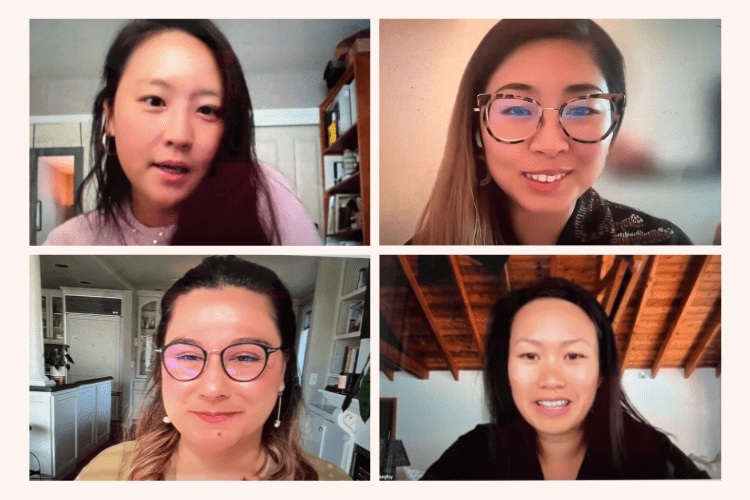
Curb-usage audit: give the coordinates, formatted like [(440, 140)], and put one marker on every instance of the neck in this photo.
[(150, 214), (242, 463), (561, 456), (538, 228)]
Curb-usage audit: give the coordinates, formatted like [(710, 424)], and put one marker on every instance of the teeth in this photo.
[(171, 169), (545, 178), (553, 404)]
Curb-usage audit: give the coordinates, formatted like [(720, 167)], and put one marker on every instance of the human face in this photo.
[(551, 72), (166, 119), (553, 365), (214, 319)]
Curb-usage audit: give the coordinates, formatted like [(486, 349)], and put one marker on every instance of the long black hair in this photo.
[(603, 426), (223, 209)]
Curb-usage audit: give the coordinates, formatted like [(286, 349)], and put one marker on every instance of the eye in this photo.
[(209, 111), (573, 356), (519, 112), (246, 358), (154, 101), (580, 111), (529, 356), (189, 357)]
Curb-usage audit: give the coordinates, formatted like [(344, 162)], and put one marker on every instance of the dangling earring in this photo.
[(166, 420), (487, 178), (277, 424)]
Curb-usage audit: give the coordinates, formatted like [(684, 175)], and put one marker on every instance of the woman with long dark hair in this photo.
[(225, 399), (538, 107), (172, 149), (556, 404)]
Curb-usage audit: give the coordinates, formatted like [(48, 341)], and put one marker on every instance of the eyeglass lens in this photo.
[(515, 119), (242, 362)]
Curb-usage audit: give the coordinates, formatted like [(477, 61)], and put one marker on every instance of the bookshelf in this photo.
[(346, 194)]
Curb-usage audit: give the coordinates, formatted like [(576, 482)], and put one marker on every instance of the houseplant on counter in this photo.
[(59, 362)]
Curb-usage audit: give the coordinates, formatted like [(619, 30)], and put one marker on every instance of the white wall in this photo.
[(673, 70), (689, 409), (433, 413)]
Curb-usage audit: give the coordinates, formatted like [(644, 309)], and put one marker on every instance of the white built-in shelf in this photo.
[(356, 294)]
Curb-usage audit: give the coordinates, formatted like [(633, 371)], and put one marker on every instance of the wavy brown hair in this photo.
[(155, 441), (460, 211)]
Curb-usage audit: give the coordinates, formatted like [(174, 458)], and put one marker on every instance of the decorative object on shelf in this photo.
[(362, 278), (350, 162), (356, 311)]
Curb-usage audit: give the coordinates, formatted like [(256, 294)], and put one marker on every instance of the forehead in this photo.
[(173, 56), (549, 66), (216, 317), (552, 320)]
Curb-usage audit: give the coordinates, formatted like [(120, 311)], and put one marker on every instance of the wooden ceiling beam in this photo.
[(639, 264), (700, 349), (505, 276), (467, 305), (623, 305), (610, 293), (428, 314), (402, 360), (672, 334)]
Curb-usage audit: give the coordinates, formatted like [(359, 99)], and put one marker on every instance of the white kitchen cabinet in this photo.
[(53, 317), (67, 424)]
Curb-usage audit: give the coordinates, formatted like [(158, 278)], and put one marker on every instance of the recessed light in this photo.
[(64, 266), (85, 282)]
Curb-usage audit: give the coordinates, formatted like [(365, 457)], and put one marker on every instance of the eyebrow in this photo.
[(241, 340), (165, 85), (563, 344), (570, 89)]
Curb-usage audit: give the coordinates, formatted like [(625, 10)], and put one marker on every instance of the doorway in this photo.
[(55, 175)]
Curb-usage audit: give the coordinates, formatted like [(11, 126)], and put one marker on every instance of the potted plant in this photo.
[(59, 362)]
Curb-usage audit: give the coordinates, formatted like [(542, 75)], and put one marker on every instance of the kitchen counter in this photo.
[(70, 385)]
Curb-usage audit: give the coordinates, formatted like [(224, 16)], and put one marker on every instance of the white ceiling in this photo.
[(158, 272), (75, 48)]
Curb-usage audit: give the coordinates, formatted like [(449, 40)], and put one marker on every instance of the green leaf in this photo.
[(364, 397)]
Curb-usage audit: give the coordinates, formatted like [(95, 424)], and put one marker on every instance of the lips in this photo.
[(553, 407), (214, 417), (173, 167), (547, 176)]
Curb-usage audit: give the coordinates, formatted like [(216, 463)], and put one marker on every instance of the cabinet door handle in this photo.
[(320, 429)]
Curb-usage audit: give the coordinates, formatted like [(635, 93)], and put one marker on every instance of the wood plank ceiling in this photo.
[(665, 309)]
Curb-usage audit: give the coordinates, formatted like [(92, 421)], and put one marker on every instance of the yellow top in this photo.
[(113, 464)]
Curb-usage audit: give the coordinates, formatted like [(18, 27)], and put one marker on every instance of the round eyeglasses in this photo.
[(242, 362), (512, 119)]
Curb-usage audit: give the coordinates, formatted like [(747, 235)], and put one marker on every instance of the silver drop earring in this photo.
[(166, 420), (277, 424)]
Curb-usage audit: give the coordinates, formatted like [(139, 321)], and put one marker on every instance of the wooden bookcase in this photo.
[(355, 138)]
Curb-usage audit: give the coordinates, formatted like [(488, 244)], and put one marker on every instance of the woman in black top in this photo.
[(558, 411)]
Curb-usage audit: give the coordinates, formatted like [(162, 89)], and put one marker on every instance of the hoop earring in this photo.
[(106, 147), (487, 179), (166, 420), (277, 424)]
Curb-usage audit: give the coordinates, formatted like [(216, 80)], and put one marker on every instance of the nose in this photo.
[(551, 375), (214, 382), (178, 129), (550, 138)]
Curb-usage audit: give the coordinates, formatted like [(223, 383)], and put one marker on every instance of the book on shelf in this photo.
[(343, 212), (345, 109), (334, 170), (331, 122), (353, 99), (350, 360)]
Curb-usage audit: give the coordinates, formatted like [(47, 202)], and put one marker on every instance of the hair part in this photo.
[(207, 223), (156, 441), (460, 211), (603, 426)]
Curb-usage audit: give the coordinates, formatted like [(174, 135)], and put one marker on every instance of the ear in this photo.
[(109, 122)]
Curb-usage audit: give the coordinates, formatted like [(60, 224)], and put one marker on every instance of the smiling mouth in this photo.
[(559, 403), (545, 177)]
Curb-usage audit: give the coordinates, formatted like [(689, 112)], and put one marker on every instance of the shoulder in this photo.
[(466, 458), (602, 222), (86, 229), (326, 470), (108, 465), (652, 455), (294, 224)]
